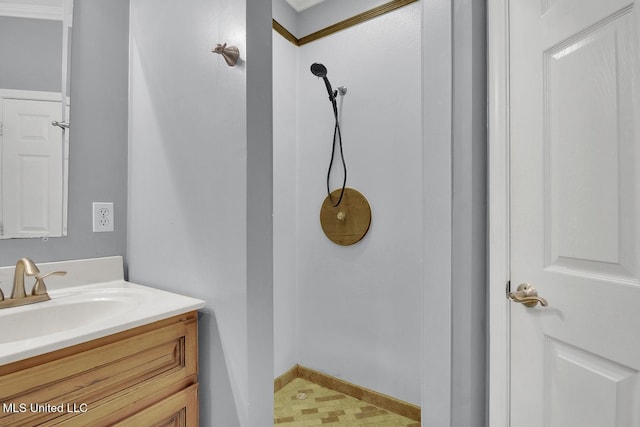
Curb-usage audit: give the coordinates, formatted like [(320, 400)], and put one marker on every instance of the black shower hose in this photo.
[(336, 132)]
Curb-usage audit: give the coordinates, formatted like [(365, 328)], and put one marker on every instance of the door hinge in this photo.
[(1, 128)]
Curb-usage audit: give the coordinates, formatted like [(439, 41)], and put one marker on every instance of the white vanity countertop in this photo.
[(88, 305)]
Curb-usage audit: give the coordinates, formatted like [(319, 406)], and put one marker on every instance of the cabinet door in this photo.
[(106, 380), (179, 410)]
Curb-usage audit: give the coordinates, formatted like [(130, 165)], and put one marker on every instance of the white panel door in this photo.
[(32, 168), (575, 212)]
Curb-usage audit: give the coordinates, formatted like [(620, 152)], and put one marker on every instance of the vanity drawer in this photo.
[(103, 381), (179, 410)]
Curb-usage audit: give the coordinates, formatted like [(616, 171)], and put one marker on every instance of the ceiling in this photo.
[(300, 5)]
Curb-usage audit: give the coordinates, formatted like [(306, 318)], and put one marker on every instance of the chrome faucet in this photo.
[(26, 267)]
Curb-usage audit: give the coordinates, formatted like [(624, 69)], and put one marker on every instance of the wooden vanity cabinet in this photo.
[(146, 376)]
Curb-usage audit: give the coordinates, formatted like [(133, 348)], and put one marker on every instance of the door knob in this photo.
[(528, 295), (61, 125)]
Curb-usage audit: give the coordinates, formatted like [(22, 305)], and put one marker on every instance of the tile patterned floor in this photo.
[(324, 406)]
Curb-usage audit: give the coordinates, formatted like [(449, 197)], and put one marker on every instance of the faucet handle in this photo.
[(39, 288)]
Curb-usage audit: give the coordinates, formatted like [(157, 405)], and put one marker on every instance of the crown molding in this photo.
[(342, 25)]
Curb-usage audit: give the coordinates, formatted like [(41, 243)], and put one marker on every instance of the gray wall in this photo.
[(437, 160), (259, 205), (455, 328), (98, 141), (31, 52), (468, 273)]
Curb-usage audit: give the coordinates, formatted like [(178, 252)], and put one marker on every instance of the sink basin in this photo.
[(58, 316), (82, 313)]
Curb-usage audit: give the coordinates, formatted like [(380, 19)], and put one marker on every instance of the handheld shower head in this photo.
[(318, 70)]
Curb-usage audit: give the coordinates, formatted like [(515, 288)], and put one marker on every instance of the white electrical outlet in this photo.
[(102, 216)]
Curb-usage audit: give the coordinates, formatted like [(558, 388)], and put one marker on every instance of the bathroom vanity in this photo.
[(129, 356)]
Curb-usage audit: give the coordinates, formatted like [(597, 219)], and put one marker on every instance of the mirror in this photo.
[(34, 94)]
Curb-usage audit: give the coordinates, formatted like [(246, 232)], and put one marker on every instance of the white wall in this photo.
[(358, 309), (192, 135), (285, 148)]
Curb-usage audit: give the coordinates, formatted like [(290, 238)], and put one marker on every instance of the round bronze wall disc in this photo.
[(347, 223)]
